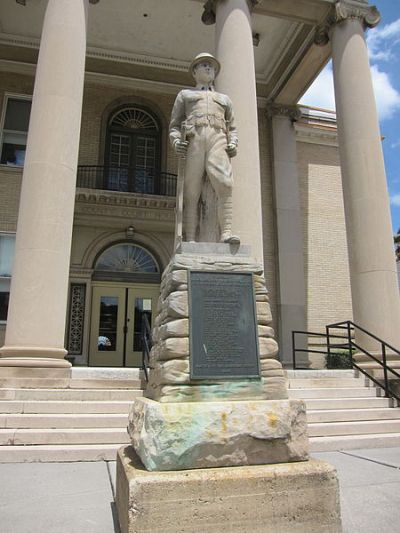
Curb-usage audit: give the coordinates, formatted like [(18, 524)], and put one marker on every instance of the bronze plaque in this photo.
[(223, 326)]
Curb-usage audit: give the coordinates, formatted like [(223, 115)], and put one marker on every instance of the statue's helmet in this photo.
[(203, 58)]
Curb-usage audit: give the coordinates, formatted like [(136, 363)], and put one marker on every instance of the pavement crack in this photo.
[(110, 479), (370, 460)]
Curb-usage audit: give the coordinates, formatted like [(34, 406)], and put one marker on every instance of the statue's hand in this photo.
[(181, 147), (231, 149)]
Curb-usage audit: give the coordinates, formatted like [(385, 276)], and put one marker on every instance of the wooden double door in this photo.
[(116, 324)]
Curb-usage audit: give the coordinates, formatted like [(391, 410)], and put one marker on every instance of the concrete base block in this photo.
[(282, 498), (179, 436)]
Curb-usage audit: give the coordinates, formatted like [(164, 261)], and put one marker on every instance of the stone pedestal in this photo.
[(281, 498)]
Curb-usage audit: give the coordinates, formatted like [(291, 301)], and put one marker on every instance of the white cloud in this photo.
[(396, 144), (381, 41), (395, 200), (387, 97), (321, 92)]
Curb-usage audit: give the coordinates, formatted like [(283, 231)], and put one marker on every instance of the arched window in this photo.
[(133, 150), (127, 262)]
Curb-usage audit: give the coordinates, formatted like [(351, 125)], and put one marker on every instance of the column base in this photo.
[(12, 356), (283, 497)]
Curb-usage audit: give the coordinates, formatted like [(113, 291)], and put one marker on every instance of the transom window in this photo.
[(15, 130), (133, 150), (128, 259)]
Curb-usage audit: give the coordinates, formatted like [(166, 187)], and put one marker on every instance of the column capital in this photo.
[(208, 16), (344, 10), (293, 112)]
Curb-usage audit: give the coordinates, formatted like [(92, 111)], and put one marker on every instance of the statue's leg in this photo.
[(219, 171), (194, 171)]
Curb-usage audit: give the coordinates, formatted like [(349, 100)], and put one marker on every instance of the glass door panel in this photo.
[(141, 300), (107, 331)]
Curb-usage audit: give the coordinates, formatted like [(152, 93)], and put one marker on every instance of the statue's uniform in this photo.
[(208, 120)]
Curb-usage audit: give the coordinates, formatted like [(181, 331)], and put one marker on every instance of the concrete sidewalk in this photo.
[(78, 497)]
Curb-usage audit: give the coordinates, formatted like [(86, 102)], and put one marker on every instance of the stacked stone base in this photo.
[(281, 498), (170, 358)]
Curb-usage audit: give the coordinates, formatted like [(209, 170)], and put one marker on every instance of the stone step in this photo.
[(51, 421), (347, 415), (317, 374), (111, 373), (67, 453), (56, 383), (64, 407), (17, 437), (354, 442), (332, 393), (348, 403), (69, 394), (328, 383), (361, 427)]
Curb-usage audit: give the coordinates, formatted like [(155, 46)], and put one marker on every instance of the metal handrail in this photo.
[(351, 329), (351, 345), (126, 179), (147, 343)]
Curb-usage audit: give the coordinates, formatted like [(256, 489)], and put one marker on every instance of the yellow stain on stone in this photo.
[(224, 416), (272, 420)]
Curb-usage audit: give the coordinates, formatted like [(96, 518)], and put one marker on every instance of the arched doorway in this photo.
[(133, 151), (125, 286)]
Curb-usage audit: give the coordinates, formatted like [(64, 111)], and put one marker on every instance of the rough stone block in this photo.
[(268, 347), (173, 348), (175, 328), (177, 304), (265, 331), (264, 316), (212, 434), (283, 498)]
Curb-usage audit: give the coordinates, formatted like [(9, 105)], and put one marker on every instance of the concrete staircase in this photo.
[(345, 411), (83, 418)]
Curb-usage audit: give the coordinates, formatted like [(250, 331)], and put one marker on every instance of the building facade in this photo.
[(86, 91)]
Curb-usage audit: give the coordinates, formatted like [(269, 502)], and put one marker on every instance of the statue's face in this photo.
[(204, 72)]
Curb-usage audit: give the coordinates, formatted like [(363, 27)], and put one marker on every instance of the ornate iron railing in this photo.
[(126, 179), (350, 345)]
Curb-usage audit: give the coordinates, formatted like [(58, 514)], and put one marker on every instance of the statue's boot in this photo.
[(225, 220)]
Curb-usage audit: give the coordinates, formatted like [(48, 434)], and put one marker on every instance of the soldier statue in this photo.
[(202, 130)]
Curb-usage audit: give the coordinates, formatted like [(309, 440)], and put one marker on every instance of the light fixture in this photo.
[(130, 232)]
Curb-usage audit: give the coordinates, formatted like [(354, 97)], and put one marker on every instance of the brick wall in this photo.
[(325, 245)]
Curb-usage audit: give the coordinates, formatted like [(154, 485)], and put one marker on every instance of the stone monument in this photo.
[(217, 395)]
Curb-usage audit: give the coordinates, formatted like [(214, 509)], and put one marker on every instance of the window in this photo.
[(7, 247), (127, 258), (133, 151), (15, 130)]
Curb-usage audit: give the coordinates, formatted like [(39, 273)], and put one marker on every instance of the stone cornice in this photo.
[(290, 111), (208, 16), (344, 10), (104, 54), (143, 207), (308, 133)]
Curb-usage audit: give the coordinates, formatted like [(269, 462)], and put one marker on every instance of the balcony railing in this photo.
[(125, 179)]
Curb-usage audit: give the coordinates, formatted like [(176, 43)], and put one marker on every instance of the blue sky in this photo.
[(384, 48)]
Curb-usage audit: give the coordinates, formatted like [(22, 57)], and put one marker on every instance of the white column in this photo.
[(292, 281), (38, 299), (375, 294), (234, 49)]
